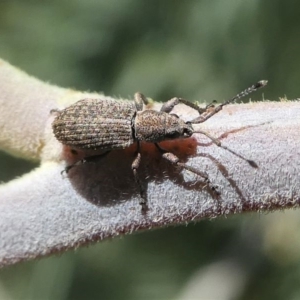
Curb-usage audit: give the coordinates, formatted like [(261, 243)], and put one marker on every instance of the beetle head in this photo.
[(152, 126), (177, 128)]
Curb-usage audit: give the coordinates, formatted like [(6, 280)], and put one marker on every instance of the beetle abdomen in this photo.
[(96, 124)]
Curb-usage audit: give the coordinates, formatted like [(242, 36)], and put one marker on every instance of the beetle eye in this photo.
[(188, 131)]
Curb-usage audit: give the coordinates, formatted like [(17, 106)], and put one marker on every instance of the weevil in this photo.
[(108, 124)]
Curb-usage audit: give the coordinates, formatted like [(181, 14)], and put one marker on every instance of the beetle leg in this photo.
[(172, 158), (87, 159), (139, 100), (169, 105), (134, 166)]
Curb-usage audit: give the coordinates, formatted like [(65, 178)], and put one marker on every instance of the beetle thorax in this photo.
[(153, 126)]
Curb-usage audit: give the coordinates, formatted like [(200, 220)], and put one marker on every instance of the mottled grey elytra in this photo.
[(108, 124)]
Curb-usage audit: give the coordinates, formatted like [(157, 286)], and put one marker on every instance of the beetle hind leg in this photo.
[(169, 105), (88, 159)]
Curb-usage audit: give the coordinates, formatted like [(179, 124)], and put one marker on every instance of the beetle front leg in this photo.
[(169, 105)]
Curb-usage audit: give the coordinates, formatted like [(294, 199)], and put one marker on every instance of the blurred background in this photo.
[(200, 50)]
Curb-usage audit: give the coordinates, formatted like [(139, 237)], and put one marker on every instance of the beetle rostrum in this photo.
[(109, 124)]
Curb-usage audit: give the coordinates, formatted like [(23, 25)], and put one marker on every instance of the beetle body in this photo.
[(110, 124)]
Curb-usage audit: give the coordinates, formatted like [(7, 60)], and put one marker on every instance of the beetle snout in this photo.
[(177, 128), (188, 130)]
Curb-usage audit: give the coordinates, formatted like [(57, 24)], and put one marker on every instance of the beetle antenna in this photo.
[(217, 142), (251, 89)]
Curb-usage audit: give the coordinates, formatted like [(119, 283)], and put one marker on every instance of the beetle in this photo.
[(108, 124)]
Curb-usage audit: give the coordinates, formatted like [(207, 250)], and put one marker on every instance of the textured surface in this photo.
[(101, 200), (96, 124), (17, 116)]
